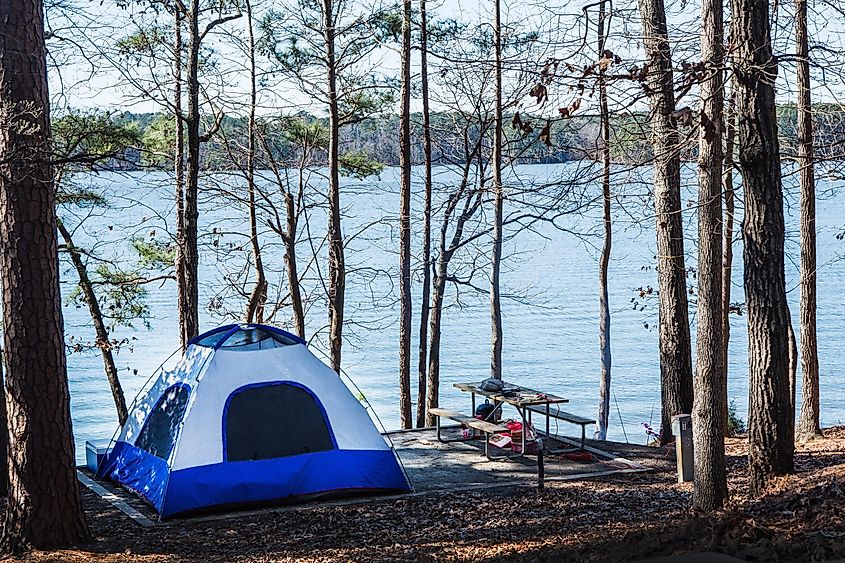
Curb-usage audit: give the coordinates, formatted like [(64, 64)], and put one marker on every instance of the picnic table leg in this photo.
[(583, 435), (525, 423), (439, 439), (547, 419), (524, 432)]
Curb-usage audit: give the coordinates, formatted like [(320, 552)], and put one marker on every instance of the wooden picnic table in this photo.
[(517, 396)]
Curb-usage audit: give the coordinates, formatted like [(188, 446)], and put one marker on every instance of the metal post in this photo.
[(541, 472), (682, 429)]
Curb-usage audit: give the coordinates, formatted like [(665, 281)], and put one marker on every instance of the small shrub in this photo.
[(735, 424)]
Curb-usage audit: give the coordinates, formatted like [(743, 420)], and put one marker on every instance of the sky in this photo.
[(77, 82)]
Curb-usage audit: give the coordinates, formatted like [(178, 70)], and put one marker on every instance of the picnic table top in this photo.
[(512, 394)]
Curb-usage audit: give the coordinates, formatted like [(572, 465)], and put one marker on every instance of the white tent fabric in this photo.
[(249, 415), (231, 370)]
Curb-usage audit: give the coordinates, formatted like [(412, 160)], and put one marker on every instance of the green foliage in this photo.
[(736, 425), (122, 297), (159, 140), (441, 31), (84, 141), (302, 132), (154, 255), (90, 139), (70, 194), (294, 41), (358, 165), (142, 43), (291, 55), (363, 103), (388, 25)]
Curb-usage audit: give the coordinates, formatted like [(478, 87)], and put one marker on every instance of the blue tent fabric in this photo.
[(138, 471), (334, 450), (282, 479)]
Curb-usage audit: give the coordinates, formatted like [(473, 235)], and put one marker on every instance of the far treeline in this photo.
[(617, 88), (375, 137)]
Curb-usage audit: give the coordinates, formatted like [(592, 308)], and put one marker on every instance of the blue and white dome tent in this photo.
[(248, 416)]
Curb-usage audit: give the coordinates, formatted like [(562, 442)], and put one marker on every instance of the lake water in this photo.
[(550, 320)]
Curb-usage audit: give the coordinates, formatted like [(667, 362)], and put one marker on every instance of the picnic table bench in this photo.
[(553, 411), (518, 397), (528, 401), (488, 428)]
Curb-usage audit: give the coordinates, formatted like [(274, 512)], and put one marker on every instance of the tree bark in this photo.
[(255, 305), (337, 264), (793, 363), (603, 418), (426, 249), (290, 257), (44, 508), (770, 418), (711, 487), (4, 432), (179, 173), (498, 204), (289, 232), (100, 330), (727, 250), (189, 253), (675, 347), (405, 224), (808, 421), (444, 256), (433, 389)]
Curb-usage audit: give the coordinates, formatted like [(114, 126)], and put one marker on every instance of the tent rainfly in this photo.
[(248, 416)]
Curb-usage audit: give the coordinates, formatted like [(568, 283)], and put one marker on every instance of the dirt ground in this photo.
[(615, 518)]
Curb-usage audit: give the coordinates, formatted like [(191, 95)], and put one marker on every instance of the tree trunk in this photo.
[(337, 265), (444, 256), (44, 507), (433, 390), (179, 176), (405, 224), (4, 433), (808, 421), (793, 363), (189, 255), (426, 249), (727, 249), (435, 326), (770, 418), (675, 348), (498, 204), (290, 257), (289, 233), (603, 418), (711, 487), (102, 333), (255, 305)]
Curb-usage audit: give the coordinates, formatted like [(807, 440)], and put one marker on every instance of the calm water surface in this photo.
[(550, 321)]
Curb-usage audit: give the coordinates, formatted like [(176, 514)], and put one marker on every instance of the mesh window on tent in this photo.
[(249, 338), (159, 433), (274, 420)]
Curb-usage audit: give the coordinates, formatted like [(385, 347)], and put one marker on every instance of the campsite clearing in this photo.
[(611, 518), (431, 466)]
